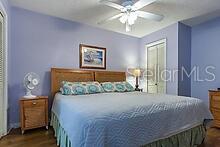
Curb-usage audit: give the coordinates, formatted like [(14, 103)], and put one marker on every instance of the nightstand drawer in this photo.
[(216, 98), (34, 103), (216, 113), (215, 102), (34, 117)]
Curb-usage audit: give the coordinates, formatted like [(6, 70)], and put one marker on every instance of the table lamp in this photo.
[(137, 74)]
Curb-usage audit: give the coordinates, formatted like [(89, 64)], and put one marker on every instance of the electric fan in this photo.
[(31, 81)]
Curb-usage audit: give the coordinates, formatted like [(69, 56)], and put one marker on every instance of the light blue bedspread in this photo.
[(126, 119)]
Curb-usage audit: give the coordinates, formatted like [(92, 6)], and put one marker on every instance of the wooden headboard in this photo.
[(110, 76), (74, 75), (58, 75)]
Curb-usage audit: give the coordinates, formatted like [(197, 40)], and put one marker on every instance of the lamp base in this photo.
[(137, 88)]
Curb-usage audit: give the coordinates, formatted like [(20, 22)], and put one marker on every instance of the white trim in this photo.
[(164, 40), (157, 42), (5, 47)]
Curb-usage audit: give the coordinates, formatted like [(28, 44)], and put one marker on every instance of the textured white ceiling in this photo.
[(90, 12)]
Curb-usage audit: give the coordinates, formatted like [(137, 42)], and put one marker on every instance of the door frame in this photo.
[(5, 54), (154, 43)]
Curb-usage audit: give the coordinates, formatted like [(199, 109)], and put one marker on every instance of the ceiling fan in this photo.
[(130, 12)]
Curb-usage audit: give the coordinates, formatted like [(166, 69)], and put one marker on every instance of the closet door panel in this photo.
[(152, 69), (161, 81), (156, 67), (3, 128)]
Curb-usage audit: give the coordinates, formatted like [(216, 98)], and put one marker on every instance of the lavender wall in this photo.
[(184, 59), (40, 42), (171, 34), (205, 52)]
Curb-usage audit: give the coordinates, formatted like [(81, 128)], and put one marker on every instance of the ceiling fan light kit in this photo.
[(128, 20), (129, 12)]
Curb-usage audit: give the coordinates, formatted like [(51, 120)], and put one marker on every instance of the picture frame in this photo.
[(92, 57)]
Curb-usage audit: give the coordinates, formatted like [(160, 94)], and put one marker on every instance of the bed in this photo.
[(129, 119)]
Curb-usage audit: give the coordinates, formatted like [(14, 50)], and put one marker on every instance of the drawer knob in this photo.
[(34, 103)]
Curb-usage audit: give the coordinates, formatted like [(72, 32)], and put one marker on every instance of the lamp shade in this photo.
[(137, 72)]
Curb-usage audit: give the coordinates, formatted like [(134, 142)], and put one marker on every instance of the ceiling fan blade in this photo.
[(142, 3), (111, 4), (150, 16), (111, 18)]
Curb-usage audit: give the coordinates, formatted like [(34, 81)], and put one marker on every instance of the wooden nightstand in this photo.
[(214, 104), (33, 113)]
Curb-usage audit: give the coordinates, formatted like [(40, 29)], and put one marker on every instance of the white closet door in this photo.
[(2, 107), (161, 81), (152, 67), (156, 65)]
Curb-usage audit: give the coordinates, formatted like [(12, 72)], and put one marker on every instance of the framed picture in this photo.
[(92, 57)]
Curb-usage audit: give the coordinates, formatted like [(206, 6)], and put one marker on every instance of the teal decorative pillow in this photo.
[(120, 87), (129, 87), (73, 88), (108, 86), (117, 86), (94, 87), (66, 90), (80, 88)]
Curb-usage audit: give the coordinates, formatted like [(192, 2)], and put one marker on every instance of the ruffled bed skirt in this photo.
[(60, 134), (189, 138)]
